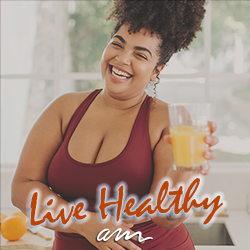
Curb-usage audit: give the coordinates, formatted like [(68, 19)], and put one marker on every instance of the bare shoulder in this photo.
[(70, 101), (158, 106), (159, 113), (158, 121), (66, 104)]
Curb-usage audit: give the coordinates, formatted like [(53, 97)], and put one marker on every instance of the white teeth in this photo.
[(119, 74), (120, 77)]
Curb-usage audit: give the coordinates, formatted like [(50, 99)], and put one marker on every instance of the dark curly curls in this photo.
[(175, 22)]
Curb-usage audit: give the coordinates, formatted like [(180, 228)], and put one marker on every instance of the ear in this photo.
[(156, 72)]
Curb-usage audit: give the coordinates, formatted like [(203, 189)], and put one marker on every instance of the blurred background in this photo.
[(52, 47)]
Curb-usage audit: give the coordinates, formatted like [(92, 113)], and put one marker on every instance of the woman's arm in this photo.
[(41, 145), (163, 168)]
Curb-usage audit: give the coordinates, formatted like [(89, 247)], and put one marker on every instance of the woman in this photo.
[(87, 139)]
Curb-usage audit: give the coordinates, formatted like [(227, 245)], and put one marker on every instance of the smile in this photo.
[(119, 74)]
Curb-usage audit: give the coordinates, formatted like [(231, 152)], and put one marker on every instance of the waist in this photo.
[(145, 227)]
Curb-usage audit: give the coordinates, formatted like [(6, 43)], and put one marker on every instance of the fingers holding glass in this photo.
[(212, 126), (211, 140)]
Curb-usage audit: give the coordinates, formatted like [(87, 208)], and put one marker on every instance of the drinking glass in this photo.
[(188, 128)]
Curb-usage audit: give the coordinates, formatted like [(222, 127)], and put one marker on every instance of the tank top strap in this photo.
[(80, 111), (140, 128), (146, 108), (144, 111)]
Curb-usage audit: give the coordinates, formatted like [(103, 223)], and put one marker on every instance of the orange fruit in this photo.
[(2, 217), (20, 214), (14, 227)]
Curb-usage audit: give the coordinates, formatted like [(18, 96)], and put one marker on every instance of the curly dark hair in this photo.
[(175, 22)]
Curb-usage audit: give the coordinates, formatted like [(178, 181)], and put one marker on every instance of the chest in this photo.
[(101, 150), (102, 134)]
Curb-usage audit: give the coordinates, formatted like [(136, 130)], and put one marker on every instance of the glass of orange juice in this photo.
[(188, 128)]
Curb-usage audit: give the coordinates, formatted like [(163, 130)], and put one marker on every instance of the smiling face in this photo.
[(129, 62)]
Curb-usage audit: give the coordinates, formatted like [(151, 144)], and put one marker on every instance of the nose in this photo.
[(123, 58)]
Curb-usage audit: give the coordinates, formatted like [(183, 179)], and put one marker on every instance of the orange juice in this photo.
[(189, 145)]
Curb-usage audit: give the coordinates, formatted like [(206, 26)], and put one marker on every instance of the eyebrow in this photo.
[(136, 47), (143, 48)]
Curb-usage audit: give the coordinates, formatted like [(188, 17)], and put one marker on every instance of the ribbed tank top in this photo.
[(72, 179)]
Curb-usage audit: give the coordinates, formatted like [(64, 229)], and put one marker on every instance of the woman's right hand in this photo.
[(93, 226)]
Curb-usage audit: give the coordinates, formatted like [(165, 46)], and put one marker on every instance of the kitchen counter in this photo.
[(238, 226)]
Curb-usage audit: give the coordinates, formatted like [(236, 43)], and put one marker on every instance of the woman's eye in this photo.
[(142, 56), (116, 44)]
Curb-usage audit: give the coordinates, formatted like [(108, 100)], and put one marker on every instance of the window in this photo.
[(53, 47)]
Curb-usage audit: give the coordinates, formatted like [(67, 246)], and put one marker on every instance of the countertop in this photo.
[(238, 226)]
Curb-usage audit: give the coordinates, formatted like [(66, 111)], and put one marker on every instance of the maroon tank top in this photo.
[(72, 179)]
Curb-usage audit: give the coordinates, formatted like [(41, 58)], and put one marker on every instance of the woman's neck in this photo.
[(122, 104)]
